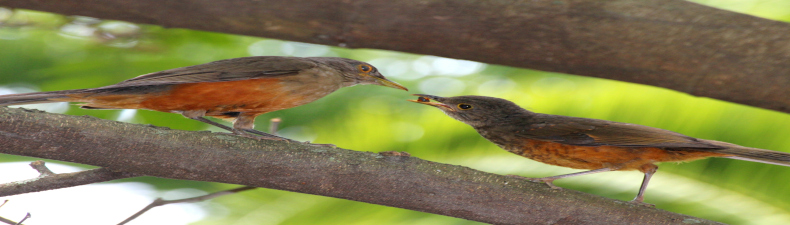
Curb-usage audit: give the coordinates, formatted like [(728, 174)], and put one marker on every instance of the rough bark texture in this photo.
[(55, 181), (398, 181), (667, 43)]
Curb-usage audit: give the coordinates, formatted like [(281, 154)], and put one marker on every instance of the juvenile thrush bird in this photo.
[(237, 89), (581, 143)]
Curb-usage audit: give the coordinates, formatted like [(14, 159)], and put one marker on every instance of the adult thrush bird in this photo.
[(581, 143), (233, 89)]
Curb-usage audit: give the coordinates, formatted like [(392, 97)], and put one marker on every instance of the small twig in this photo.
[(47, 180), (42, 169), (4, 220), (274, 125), (160, 202), (7, 221), (23, 219)]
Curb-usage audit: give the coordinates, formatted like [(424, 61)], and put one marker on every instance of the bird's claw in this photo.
[(547, 181), (395, 153), (259, 137), (642, 203), (321, 145)]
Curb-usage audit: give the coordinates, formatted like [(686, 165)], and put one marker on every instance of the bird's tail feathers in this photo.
[(755, 154), (38, 97)]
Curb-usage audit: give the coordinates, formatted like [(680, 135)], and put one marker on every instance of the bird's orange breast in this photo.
[(597, 157), (255, 96)]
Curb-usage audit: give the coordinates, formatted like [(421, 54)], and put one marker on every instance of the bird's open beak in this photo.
[(388, 83), (426, 100)]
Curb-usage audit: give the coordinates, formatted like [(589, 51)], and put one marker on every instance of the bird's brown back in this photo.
[(252, 85), (583, 143)]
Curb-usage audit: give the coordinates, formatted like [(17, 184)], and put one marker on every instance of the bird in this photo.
[(237, 89), (591, 144)]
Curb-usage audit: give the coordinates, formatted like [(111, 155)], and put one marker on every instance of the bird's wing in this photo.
[(592, 132), (224, 70)]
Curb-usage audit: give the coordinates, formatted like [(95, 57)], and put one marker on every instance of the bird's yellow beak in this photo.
[(388, 83), (426, 100)]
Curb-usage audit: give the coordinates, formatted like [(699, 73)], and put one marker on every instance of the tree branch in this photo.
[(4, 220), (161, 202), (47, 180), (398, 181), (42, 169), (667, 43), (7, 221), (27, 216)]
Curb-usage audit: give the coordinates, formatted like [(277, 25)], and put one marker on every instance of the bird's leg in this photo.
[(649, 170), (550, 180), (245, 123), (203, 119), (199, 116), (274, 125), (264, 135)]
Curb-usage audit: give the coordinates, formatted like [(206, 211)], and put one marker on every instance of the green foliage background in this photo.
[(51, 52)]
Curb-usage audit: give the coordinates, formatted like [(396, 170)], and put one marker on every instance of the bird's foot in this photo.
[(395, 153), (547, 180), (639, 201), (642, 203), (261, 137), (321, 145)]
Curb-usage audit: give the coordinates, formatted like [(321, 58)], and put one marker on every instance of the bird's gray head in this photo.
[(476, 111), (357, 72)]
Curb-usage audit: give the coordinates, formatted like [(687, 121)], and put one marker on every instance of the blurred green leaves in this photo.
[(51, 52)]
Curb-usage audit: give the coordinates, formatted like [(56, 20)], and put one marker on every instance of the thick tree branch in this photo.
[(396, 180), (50, 181), (667, 43)]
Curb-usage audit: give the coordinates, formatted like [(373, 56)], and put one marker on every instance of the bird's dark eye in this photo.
[(365, 68), (464, 106)]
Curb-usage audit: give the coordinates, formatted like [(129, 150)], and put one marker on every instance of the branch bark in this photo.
[(50, 181), (160, 202), (667, 43), (395, 180)]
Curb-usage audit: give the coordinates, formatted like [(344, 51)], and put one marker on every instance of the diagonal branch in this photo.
[(161, 202), (47, 180), (393, 180), (27, 216), (7, 221), (11, 222)]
